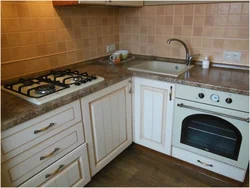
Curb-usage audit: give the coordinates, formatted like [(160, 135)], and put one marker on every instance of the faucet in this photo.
[(188, 56)]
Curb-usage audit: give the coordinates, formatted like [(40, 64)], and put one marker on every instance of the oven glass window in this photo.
[(211, 134)]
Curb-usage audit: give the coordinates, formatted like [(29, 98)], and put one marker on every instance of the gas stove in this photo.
[(51, 86)]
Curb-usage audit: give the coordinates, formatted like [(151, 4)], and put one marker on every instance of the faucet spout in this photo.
[(185, 46)]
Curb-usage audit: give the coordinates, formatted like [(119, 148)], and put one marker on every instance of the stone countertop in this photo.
[(15, 110)]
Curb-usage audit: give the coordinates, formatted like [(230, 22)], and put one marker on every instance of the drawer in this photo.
[(25, 165), (218, 167), (70, 171), (26, 135)]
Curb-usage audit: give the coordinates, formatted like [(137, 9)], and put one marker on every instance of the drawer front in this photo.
[(70, 171), (24, 136), (209, 164), (25, 165)]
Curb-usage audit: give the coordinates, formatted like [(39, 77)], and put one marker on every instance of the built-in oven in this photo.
[(207, 128)]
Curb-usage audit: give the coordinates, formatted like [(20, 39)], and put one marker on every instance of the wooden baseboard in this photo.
[(193, 167)]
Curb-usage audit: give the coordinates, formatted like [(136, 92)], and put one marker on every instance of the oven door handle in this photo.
[(212, 112)]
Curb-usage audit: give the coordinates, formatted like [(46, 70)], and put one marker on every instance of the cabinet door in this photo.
[(107, 123), (125, 3), (153, 114)]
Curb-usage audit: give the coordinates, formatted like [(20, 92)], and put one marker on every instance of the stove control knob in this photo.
[(201, 95), (229, 100)]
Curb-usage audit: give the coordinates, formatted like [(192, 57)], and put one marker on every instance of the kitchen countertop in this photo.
[(15, 110)]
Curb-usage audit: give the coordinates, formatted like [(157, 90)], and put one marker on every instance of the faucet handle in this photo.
[(194, 55)]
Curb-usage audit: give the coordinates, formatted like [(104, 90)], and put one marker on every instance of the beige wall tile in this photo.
[(25, 24), (160, 10), (37, 29), (179, 9), (11, 25), (223, 8), (211, 9), (188, 9), (219, 32), (218, 43), (233, 20), (198, 20), (207, 43), (245, 8), (178, 20), (9, 10), (197, 31), (209, 20), (199, 9), (23, 9), (188, 20), (235, 8), (169, 10)]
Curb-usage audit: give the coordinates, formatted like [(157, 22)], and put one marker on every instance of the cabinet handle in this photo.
[(204, 164), (56, 171), (170, 93), (130, 90), (44, 129), (49, 155)]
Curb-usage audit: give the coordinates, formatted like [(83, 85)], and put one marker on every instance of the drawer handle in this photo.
[(59, 168), (49, 155), (204, 164), (44, 129)]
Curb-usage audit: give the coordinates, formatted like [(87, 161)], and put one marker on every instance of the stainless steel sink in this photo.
[(162, 68)]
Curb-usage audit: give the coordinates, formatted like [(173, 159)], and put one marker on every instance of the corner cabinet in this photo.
[(153, 114), (107, 123), (104, 2)]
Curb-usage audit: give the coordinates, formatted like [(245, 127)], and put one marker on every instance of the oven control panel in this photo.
[(213, 97)]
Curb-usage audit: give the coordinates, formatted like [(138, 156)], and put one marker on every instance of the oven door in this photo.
[(211, 131)]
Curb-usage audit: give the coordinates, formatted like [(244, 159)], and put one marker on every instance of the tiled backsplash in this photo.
[(208, 29), (36, 36)]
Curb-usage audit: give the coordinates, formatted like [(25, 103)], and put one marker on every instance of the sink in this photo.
[(162, 68)]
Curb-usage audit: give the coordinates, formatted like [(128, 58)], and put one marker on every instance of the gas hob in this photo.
[(51, 86)]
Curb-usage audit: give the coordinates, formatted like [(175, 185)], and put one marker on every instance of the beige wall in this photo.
[(36, 36), (208, 29)]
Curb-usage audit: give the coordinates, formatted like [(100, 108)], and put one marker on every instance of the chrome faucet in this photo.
[(188, 56)]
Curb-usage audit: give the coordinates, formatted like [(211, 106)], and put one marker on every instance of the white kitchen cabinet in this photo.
[(35, 145), (70, 171), (107, 123), (103, 2), (125, 3), (153, 114)]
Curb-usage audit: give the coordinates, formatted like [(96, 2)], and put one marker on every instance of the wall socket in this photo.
[(234, 56), (110, 48)]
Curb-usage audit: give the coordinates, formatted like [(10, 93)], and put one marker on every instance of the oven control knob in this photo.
[(229, 100), (201, 95)]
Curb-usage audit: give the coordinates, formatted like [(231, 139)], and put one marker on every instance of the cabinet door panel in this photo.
[(153, 114), (98, 129), (122, 117), (107, 124)]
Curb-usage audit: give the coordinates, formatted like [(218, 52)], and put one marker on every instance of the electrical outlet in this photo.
[(227, 55), (236, 56), (233, 56), (110, 48)]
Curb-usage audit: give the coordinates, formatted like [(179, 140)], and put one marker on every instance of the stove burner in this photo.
[(60, 73), (45, 89), (27, 82)]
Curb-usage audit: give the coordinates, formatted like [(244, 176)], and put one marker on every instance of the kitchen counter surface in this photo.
[(15, 110)]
